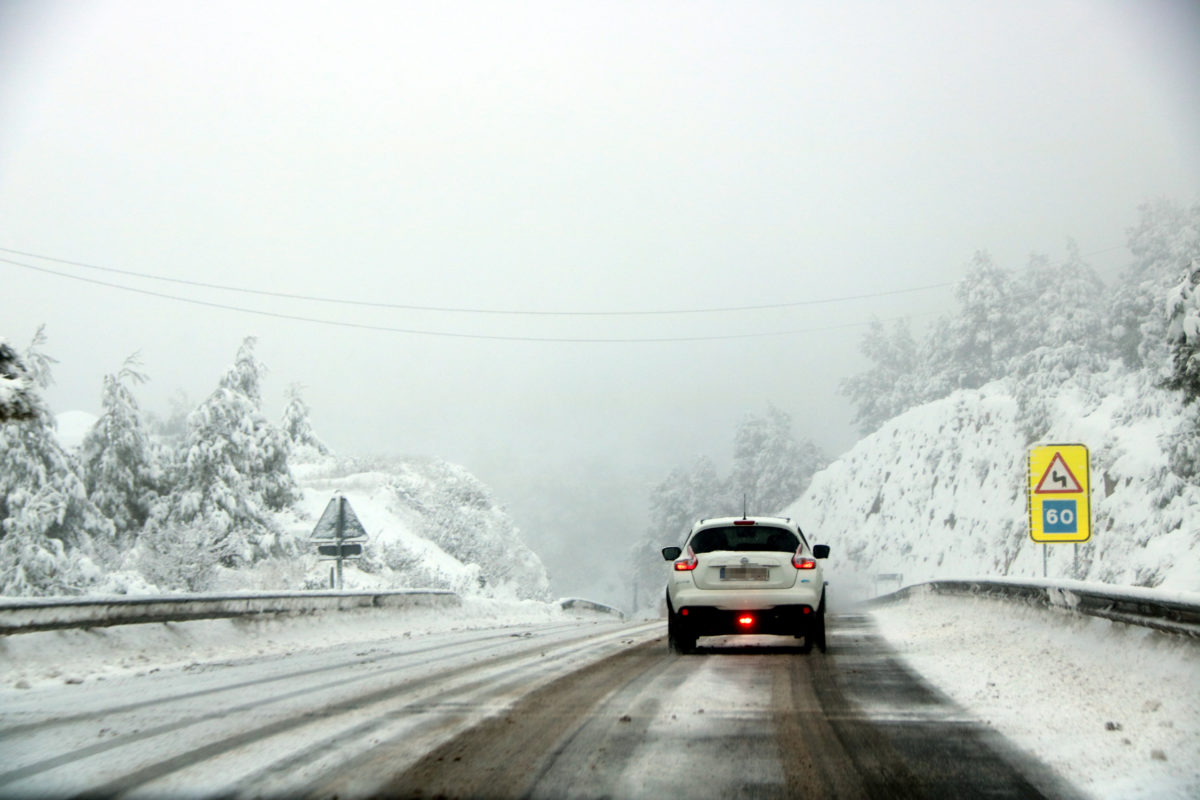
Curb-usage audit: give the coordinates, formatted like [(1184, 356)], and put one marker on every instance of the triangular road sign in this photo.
[(1058, 478), (339, 512)]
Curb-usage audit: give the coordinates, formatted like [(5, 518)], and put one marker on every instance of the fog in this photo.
[(836, 161)]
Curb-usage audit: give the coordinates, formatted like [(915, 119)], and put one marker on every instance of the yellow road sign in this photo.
[(1059, 493)]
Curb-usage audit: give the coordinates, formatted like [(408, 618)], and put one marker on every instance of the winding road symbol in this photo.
[(1058, 478)]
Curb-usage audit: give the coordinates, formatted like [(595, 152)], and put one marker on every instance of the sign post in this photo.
[(338, 535), (1059, 495)]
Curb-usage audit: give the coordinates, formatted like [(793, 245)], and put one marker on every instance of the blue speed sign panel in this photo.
[(1060, 516)]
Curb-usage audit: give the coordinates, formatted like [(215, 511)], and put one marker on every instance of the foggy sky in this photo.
[(560, 157)]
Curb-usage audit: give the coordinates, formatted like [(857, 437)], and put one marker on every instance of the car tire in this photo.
[(682, 645), (679, 640), (817, 633)]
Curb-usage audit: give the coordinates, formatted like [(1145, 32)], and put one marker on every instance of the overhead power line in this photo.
[(443, 334), (461, 310)]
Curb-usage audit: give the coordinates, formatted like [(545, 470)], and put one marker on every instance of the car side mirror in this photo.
[(820, 551), (671, 553)]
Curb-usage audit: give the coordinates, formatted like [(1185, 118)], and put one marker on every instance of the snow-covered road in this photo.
[(271, 725), (559, 707)]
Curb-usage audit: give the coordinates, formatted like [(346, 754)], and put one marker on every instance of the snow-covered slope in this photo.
[(939, 492), (431, 524)]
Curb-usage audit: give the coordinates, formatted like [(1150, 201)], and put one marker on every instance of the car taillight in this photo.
[(745, 620), (686, 564), (800, 562)]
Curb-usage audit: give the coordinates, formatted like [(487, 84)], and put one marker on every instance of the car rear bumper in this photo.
[(780, 620), (753, 600)]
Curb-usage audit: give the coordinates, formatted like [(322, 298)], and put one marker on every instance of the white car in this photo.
[(745, 575)]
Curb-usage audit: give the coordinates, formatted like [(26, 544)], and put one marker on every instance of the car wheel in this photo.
[(818, 630), (679, 640)]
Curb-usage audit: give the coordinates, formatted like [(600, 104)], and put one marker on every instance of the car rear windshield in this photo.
[(745, 537)]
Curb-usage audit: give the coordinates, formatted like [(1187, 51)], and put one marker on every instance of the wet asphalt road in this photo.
[(576, 709)]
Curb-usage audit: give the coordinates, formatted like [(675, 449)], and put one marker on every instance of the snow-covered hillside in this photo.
[(939, 491), (431, 524)]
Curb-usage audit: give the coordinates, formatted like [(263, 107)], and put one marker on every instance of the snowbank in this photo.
[(1114, 708), (76, 655)]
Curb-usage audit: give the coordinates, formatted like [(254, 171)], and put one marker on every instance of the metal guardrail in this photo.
[(47, 614), (579, 604), (1131, 607)]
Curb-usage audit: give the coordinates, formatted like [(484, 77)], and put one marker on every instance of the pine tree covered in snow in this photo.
[(893, 383), (975, 345), (117, 463), (47, 523), (1061, 304), (1064, 340), (771, 467), (296, 425), (1183, 338), (16, 395), (1183, 334), (686, 495), (232, 471), (1164, 243)]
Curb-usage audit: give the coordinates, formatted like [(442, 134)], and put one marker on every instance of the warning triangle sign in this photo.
[(339, 521), (1058, 478)]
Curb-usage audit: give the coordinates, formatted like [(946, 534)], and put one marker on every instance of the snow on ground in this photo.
[(429, 523), (386, 521), (1114, 708), (77, 655)]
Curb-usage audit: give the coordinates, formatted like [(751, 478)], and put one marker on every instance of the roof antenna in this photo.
[(743, 505)]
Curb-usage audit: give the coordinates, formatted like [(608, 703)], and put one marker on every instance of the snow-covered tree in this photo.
[(233, 468), (684, 496), (974, 345), (1061, 304), (304, 442), (770, 466), (17, 400), (117, 463), (456, 511), (892, 382), (47, 523), (1183, 338), (1063, 336), (1183, 334), (182, 556), (1164, 243)]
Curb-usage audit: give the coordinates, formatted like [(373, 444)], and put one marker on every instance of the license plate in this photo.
[(744, 573)]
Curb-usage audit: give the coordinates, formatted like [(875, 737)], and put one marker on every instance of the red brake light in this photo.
[(745, 620), (743, 522), (686, 564), (800, 562)]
